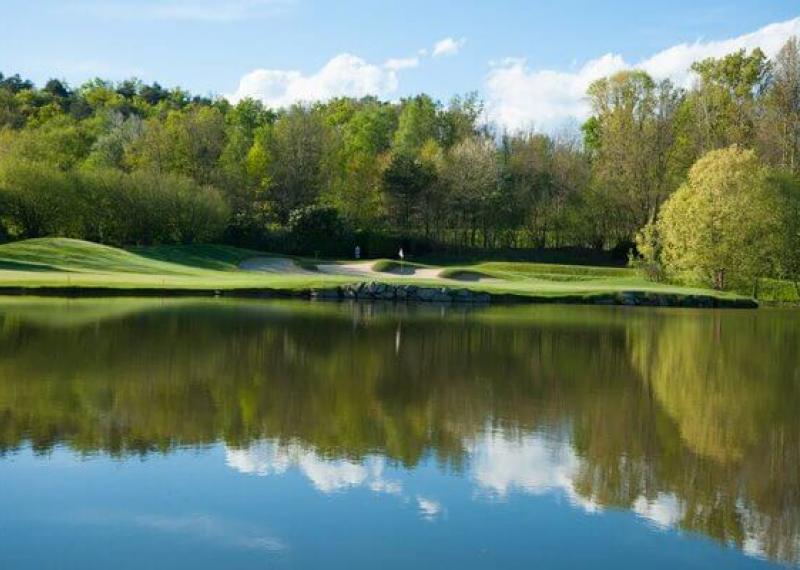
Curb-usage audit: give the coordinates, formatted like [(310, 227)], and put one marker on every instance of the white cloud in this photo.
[(396, 64), (519, 97), (186, 10), (345, 75), (448, 46)]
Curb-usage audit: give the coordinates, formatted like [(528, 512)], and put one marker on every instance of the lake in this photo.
[(291, 434)]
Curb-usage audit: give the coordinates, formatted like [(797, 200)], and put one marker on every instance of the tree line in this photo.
[(135, 163)]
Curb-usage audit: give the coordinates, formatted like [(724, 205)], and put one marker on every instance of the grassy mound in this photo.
[(63, 262), (394, 266), (77, 256), (468, 274), (201, 256), (557, 272), (272, 264)]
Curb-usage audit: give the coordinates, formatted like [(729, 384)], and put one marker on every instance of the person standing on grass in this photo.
[(358, 252)]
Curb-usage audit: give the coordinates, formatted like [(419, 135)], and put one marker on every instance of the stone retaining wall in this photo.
[(375, 291)]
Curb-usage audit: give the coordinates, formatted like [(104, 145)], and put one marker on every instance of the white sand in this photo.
[(353, 269)]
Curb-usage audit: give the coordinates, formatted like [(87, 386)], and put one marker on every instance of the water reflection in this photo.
[(326, 475), (686, 418)]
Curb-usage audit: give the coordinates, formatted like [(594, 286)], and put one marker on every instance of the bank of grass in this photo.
[(69, 263), (394, 266), (60, 263), (778, 291)]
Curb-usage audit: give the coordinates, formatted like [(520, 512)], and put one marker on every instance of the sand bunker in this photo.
[(364, 269), (360, 269)]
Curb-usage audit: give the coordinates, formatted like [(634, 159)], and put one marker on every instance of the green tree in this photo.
[(298, 147), (631, 136), (404, 180), (470, 172), (720, 228), (418, 122), (725, 103), (781, 123)]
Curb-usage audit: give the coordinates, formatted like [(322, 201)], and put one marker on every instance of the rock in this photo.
[(442, 296), (629, 298), (462, 296), (325, 293), (426, 293)]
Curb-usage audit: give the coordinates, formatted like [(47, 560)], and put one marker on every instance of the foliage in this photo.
[(720, 228), (318, 227), (429, 174), (108, 205)]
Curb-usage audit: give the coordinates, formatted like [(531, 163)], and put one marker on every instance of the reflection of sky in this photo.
[(500, 465), (287, 506), (530, 464), (327, 475)]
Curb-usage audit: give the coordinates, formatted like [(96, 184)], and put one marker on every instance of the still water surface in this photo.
[(227, 434)]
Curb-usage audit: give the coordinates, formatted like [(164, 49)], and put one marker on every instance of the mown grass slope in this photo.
[(62, 262)]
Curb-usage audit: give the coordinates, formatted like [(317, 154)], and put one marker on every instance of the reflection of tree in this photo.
[(653, 404), (730, 384)]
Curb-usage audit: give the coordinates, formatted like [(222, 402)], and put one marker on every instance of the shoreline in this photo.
[(378, 291)]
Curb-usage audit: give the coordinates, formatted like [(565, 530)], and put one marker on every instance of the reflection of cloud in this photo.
[(197, 526), (429, 508), (327, 475), (665, 511), (530, 464), (261, 460), (208, 527), (753, 546), (332, 475)]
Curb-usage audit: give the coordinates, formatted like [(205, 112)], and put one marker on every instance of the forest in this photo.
[(698, 185)]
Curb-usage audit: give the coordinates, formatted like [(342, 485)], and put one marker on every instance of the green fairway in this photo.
[(75, 264)]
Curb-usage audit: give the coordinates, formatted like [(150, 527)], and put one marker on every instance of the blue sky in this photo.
[(513, 52)]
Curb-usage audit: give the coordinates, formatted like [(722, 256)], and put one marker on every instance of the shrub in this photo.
[(318, 230)]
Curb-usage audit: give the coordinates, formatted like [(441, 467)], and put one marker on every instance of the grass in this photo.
[(394, 266), (777, 291), (62, 262), (463, 274)]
